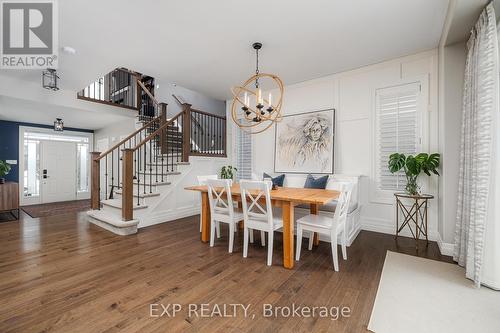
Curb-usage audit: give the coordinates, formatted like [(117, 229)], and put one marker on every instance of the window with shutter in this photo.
[(398, 130), (243, 154)]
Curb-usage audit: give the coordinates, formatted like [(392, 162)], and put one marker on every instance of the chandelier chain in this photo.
[(257, 69)]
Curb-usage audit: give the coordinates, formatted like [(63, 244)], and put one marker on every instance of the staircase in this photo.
[(132, 178)]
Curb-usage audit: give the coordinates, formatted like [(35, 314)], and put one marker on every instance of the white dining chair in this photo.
[(202, 180), (328, 226), (222, 208), (258, 214)]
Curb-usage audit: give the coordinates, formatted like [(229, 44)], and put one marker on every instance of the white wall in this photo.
[(197, 100), (452, 68), (114, 132), (352, 94)]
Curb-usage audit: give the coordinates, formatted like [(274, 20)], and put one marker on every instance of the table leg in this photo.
[(205, 218), (416, 222), (314, 209), (288, 242), (241, 223), (397, 218), (426, 230)]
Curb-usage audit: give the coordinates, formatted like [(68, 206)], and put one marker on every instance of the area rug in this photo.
[(422, 295), (8, 217), (57, 208)]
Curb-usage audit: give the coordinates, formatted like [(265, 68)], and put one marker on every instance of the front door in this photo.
[(58, 167)]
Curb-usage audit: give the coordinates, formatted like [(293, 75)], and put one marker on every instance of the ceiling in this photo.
[(206, 45), (464, 16), (45, 114)]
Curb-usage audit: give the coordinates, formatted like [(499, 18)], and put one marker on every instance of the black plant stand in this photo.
[(415, 216)]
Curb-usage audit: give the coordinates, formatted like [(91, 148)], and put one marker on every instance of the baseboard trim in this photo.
[(446, 249), (167, 216), (388, 227)]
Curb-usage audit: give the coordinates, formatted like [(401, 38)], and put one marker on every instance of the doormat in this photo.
[(57, 208), (8, 217)]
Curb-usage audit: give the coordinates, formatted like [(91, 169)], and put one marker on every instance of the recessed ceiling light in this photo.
[(69, 50)]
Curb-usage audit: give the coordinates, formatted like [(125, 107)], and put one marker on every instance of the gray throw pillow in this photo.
[(319, 183), (277, 181)]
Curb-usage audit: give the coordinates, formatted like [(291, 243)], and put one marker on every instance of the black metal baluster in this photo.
[(156, 139), (161, 153), (175, 149), (178, 136), (121, 84), (163, 143), (145, 165), (112, 169), (137, 165), (119, 163), (137, 175), (106, 178), (150, 166)]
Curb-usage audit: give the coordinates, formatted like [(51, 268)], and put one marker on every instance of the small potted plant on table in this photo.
[(227, 172)]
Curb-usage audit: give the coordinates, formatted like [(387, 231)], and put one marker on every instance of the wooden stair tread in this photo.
[(141, 194), (117, 203), (167, 164), (159, 173), (111, 219), (160, 183)]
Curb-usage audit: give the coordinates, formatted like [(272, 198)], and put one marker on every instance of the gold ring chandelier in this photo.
[(250, 110)]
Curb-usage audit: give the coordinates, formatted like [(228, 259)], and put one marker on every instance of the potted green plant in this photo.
[(227, 172), (413, 166), (4, 170)]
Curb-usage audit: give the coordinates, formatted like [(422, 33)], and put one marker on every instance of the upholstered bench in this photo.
[(334, 181)]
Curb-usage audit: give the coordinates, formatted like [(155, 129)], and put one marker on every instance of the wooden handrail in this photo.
[(127, 138), (208, 114), (152, 135), (147, 92)]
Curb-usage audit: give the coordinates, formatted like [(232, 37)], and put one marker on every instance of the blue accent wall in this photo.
[(9, 143)]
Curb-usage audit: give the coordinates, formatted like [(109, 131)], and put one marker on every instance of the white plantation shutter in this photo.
[(243, 154), (398, 130)]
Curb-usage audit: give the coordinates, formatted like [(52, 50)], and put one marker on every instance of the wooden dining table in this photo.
[(285, 198)]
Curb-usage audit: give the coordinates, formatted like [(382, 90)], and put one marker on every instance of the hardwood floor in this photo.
[(63, 274)]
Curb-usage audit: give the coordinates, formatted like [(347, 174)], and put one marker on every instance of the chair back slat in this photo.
[(256, 201), (343, 203), (219, 195)]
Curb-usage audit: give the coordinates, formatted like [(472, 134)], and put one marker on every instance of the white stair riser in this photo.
[(138, 213), (149, 201), (153, 179)]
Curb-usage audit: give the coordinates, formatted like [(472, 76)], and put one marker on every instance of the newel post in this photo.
[(128, 184), (163, 120), (186, 132), (95, 173)]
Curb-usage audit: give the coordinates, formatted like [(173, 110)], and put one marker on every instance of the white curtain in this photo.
[(477, 232)]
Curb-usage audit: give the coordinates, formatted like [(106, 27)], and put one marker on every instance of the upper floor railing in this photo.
[(118, 88), (208, 134)]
